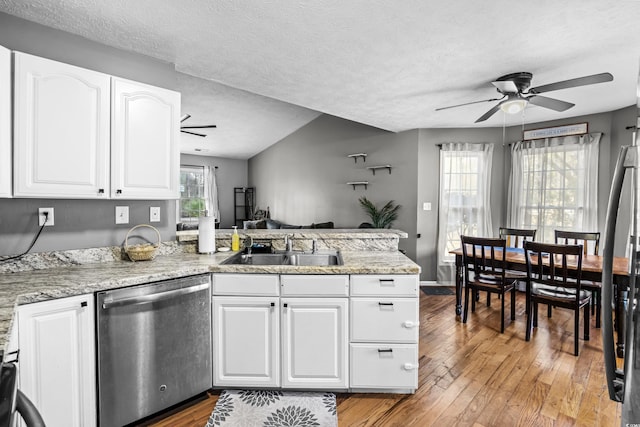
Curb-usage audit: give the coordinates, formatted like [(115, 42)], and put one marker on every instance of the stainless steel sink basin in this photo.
[(295, 258)]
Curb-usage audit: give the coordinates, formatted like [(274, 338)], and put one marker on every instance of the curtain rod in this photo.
[(196, 166)]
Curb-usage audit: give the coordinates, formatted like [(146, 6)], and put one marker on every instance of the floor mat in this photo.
[(438, 290), (267, 408)]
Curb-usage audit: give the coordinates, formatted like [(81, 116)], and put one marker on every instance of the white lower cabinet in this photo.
[(384, 327), (5, 122), (246, 341), (57, 359), (315, 343), (312, 332)]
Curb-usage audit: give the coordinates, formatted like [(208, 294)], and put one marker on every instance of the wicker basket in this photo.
[(142, 252)]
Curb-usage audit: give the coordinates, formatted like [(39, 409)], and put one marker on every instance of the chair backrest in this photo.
[(548, 264), (516, 237), (590, 241), (485, 257)]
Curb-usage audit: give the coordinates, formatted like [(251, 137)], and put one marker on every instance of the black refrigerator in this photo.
[(623, 381)]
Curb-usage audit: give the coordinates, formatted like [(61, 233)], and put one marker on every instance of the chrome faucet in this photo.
[(288, 242), (250, 238)]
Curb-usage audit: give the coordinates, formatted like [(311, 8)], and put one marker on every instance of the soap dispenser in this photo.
[(235, 239)]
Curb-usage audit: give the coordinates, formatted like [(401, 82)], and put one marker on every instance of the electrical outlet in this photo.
[(154, 214), (122, 214), (426, 206), (49, 217)]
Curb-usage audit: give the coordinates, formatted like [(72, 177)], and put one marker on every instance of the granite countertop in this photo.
[(52, 283)]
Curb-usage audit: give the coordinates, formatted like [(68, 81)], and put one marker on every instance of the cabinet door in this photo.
[(57, 360), (314, 342), (145, 131), (61, 130), (246, 341), (5, 122)]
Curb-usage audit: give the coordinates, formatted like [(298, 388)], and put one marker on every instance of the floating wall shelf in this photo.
[(356, 183), (373, 168), (355, 156)]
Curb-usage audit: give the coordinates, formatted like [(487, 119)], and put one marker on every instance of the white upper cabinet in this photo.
[(61, 130), (145, 132), (5, 122)]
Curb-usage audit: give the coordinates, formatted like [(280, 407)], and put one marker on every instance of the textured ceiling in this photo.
[(387, 64)]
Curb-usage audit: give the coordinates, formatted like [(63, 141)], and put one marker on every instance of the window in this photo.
[(554, 185), (198, 194), (464, 208)]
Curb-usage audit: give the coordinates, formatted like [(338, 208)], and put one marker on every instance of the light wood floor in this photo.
[(471, 375)]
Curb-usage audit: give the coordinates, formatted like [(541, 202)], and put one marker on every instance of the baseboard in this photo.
[(433, 283)]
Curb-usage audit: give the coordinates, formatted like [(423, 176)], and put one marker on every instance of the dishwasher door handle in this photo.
[(160, 296)]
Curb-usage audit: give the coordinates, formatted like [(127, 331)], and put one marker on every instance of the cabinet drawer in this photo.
[(393, 284), (315, 285), (246, 284), (384, 366), (384, 320)]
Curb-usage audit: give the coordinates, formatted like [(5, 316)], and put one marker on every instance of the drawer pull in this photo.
[(273, 304), (385, 303), (409, 367), (409, 324), (385, 350), (388, 282)]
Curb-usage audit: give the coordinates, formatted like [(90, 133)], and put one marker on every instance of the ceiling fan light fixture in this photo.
[(513, 106)]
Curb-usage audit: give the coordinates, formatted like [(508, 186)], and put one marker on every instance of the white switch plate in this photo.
[(426, 206), (122, 214), (154, 214)]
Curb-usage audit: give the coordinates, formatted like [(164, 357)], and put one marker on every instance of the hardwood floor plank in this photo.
[(471, 375)]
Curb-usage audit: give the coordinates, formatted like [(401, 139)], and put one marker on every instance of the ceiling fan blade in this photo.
[(580, 81), (192, 133), (490, 113), (185, 117), (506, 86), (550, 103), (469, 103), (198, 127)]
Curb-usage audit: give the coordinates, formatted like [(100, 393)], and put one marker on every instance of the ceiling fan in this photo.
[(516, 93), (185, 117)]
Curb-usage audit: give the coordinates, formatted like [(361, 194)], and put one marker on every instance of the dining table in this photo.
[(591, 270)]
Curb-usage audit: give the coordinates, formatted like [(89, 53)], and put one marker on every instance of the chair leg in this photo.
[(466, 304), (502, 315), (488, 299), (598, 303), (549, 310), (529, 321), (587, 322), (474, 293), (513, 303), (535, 314), (576, 330)]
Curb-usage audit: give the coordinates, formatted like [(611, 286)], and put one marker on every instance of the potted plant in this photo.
[(383, 217)]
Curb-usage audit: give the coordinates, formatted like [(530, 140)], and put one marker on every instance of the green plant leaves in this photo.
[(380, 218)]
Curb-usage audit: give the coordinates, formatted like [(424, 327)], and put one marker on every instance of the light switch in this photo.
[(154, 214), (122, 214), (426, 206)]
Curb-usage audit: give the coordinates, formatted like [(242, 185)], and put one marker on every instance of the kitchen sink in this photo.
[(294, 258)]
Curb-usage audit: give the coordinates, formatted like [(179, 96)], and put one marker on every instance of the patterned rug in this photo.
[(266, 408)]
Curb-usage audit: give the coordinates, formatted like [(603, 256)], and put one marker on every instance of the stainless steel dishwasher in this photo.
[(154, 347)]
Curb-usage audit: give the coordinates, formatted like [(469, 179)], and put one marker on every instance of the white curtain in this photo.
[(554, 185), (464, 208), (211, 192)]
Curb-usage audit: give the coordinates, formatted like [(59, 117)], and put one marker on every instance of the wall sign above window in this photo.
[(575, 129)]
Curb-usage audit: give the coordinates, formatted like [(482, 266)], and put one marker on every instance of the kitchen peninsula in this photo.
[(375, 292)]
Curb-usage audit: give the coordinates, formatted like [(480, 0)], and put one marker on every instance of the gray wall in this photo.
[(302, 179), (231, 173)]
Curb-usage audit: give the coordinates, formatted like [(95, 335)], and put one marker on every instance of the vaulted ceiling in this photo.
[(262, 69)]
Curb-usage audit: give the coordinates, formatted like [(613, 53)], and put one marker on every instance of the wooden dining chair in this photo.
[(516, 237), (590, 242), (484, 270), (552, 282)]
